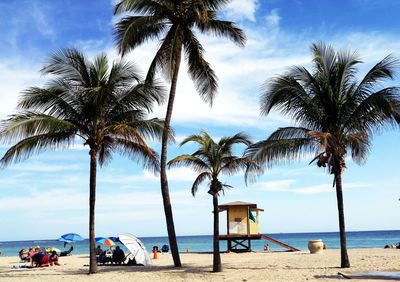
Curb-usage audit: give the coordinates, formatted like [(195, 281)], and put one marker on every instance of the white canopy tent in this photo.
[(136, 247)]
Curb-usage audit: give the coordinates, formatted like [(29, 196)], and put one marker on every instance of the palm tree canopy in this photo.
[(104, 105), (175, 22), (215, 158), (333, 110)]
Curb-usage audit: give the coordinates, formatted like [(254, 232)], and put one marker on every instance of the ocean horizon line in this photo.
[(207, 235)]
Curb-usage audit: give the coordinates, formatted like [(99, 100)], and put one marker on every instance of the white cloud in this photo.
[(40, 19), (181, 174), (241, 72), (242, 9), (15, 76), (288, 185), (36, 166), (89, 45), (273, 19)]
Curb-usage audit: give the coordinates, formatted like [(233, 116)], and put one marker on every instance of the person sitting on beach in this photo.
[(105, 257), (66, 253), (23, 255), (99, 250), (165, 249), (118, 255), (40, 260), (53, 258), (32, 252)]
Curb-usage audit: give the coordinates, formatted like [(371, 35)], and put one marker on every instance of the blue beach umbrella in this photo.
[(99, 238), (115, 239), (70, 238)]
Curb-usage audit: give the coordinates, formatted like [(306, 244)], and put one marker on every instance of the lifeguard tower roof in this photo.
[(252, 206)]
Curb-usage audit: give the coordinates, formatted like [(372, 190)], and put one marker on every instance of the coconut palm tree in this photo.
[(104, 106), (175, 22), (335, 115), (211, 160)]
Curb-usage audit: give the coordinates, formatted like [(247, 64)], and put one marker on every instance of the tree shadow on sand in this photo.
[(186, 268), (332, 276)]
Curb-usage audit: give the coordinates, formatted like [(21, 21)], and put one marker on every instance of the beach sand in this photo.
[(256, 266)]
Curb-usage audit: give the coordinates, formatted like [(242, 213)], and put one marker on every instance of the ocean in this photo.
[(359, 239)]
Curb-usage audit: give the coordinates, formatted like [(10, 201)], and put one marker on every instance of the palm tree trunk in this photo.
[(163, 175), (343, 248), (92, 202), (217, 267)]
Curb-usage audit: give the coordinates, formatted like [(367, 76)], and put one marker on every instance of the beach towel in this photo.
[(395, 276)]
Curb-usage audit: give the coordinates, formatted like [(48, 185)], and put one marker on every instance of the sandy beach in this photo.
[(256, 266)]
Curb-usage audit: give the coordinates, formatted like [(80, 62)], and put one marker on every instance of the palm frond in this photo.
[(238, 138), (204, 77), (162, 59), (69, 64), (123, 74), (375, 112), (55, 102), (287, 95), (383, 70), (270, 152), (200, 179), (138, 130), (215, 4), (191, 161), (221, 28), (104, 153), (141, 7), (359, 144), (200, 139), (28, 124), (132, 31), (233, 165), (143, 95), (34, 145), (138, 152)]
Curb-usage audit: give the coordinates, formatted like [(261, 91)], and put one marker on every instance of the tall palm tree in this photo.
[(103, 105), (175, 22), (335, 113), (210, 161)]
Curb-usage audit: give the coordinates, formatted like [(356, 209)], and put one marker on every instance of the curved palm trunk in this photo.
[(163, 175), (343, 248), (92, 202), (217, 267)]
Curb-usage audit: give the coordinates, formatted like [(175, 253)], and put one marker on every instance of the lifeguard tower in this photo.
[(242, 223)]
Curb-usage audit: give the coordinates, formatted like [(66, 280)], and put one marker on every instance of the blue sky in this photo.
[(48, 195)]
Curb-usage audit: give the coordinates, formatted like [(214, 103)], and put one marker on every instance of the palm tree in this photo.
[(175, 22), (104, 106), (210, 161), (335, 114)]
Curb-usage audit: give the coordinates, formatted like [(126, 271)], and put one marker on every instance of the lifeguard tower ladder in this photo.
[(242, 223)]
